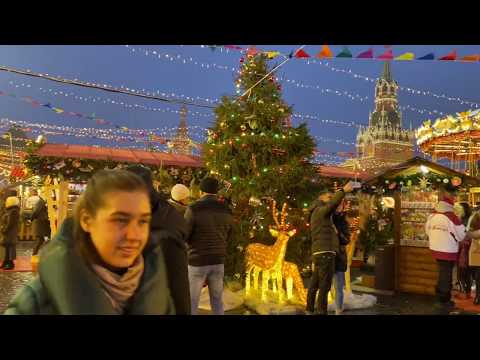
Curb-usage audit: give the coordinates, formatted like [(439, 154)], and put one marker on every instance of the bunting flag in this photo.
[(387, 55), (252, 51), (326, 53), (58, 110), (406, 56), (235, 47), (345, 53), (366, 54), (449, 57), (48, 105), (430, 56), (301, 54), (272, 54), (470, 58)]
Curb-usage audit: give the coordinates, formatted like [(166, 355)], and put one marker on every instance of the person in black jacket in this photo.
[(210, 225), (40, 224), (341, 262), (170, 229), (9, 231), (325, 245)]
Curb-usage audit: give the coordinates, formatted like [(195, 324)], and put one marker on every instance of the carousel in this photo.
[(455, 139)]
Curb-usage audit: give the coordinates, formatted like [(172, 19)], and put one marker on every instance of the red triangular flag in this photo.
[(450, 57), (301, 54), (387, 55)]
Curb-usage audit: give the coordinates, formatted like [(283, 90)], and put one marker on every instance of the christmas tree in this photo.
[(254, 149)]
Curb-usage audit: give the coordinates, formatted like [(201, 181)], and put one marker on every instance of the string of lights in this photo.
[(134, 106), (293, 82), (98, 99), (103, 87), (410, 90)]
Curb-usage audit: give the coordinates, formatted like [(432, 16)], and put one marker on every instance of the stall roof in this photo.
[(339, 172), (416, 162), (119, 155)]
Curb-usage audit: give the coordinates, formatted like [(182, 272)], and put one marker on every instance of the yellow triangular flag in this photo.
[(272, 54), (406, 56)]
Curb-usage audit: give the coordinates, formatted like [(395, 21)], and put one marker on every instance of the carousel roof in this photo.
[(119, 155)]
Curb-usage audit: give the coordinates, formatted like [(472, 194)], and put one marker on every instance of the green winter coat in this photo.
[(66, 286)]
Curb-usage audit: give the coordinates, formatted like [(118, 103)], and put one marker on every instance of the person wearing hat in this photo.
[(210, 226), (9, 231), (180, 194), (169, 228), (325, 246), (445, 230)]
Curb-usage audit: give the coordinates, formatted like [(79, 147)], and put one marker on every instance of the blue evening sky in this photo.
[(120, 66)]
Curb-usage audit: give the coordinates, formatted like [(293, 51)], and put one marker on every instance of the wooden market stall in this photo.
[(66, 168), (413, 186)]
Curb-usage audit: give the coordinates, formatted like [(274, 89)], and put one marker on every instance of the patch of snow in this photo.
[(353, 301), (231, 300)]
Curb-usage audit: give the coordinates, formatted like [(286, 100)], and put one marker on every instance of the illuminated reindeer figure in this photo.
[(269, 262)]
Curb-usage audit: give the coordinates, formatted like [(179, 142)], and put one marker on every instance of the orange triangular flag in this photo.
[(326, 53), (470, 58)]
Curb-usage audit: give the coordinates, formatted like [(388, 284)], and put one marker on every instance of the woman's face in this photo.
[(120, 229)]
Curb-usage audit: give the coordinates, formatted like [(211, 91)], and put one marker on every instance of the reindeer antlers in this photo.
[(282, 225), (275, 213)]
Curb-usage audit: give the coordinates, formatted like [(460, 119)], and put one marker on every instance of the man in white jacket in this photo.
[(445, 230)]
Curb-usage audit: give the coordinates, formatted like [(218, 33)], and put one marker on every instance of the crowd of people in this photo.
[(128, 250)]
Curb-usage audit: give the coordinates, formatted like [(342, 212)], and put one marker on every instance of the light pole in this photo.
[(9, 134)]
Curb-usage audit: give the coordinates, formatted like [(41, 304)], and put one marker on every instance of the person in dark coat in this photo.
[(169, 228), (210, 227), (9, 231), (40, 224), (341, 261), (325, 245), (102, 261)]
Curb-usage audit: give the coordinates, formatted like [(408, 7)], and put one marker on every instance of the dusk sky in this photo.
[(120, 66)]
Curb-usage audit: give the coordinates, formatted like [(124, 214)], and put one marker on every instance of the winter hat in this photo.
[(180, 192), (141, 171), (209, 185), (458, 210), (11, 201)]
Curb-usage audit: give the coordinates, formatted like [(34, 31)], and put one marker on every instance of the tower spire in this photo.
[(181, 143), (387, 74)]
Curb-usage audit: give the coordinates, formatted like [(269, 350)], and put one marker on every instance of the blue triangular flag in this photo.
[(429, 56), (47, 105)]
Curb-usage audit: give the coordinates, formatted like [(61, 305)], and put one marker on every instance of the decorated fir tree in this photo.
[(254, 149)]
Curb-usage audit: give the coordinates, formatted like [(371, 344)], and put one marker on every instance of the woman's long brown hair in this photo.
[(100, 185)]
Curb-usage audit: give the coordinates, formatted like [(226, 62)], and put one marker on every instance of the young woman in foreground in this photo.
[(100, 262)]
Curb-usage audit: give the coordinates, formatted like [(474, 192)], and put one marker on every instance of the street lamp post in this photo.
[(9, 134)]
